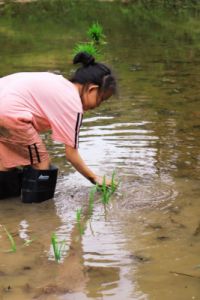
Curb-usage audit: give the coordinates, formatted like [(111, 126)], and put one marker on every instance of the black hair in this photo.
[(93, 72)]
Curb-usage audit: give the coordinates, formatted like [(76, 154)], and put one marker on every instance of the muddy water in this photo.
[(145, 243)]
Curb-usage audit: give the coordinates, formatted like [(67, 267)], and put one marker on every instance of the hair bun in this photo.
[(84, 58)]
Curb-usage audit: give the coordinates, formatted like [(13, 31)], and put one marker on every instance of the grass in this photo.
[(138, 17), (41, 35), (57, 247)]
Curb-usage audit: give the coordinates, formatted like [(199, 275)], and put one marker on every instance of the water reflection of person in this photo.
[(33, 102), (73, 275)]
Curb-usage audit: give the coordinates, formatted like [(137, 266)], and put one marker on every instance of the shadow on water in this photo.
[(145, 245)]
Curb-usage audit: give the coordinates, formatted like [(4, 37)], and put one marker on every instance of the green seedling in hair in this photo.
[(78, 219), (12, 241), (86, 47), (95, 33), (57, 247), (96, 40)]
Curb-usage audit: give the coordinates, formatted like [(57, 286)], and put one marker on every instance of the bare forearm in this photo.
[(76, 160)]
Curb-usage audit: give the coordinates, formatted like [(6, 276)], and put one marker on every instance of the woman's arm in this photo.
[(77, 162)]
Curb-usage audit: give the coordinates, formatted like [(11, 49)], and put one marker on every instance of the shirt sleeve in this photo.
[(66, 129)]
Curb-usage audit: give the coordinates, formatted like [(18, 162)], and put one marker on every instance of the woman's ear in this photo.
[(93, 88)]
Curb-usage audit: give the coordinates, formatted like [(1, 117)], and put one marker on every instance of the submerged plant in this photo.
[(95, 33), (78, 214), (78, 219), (106, 192), (12, 241), (13, 246), (113, 183), (57, 247)]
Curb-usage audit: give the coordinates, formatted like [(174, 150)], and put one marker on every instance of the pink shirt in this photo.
[(47, 100)]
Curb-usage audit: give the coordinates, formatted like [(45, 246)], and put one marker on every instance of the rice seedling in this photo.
[(78, 215), (13, 247), (12, 241), (78, 219), (106, 192), (95, 33), (96, 39), (113, 183), (57, 247), (86, 47)]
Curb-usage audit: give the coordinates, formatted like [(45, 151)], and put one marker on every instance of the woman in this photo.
[(31, 103)]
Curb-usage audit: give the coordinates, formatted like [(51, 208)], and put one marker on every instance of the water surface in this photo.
[(145, 243)]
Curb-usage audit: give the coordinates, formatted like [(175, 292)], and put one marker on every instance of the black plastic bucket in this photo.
[(10, 183), (38, 185)]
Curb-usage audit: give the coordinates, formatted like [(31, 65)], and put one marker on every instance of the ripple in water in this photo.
[(139, 195)]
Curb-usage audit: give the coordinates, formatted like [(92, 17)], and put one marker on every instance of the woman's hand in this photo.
[(75, 159), (99, 180)]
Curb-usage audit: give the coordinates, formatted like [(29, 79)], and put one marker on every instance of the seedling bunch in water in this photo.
[(107, 191), (96, 39), (57, 247)]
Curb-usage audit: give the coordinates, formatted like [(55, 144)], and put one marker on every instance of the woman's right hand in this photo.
[(99, 180)]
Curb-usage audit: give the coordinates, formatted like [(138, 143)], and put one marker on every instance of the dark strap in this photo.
[(77, 128)]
